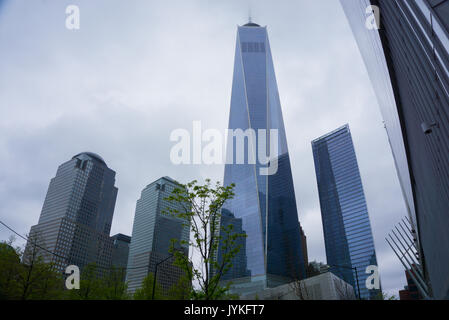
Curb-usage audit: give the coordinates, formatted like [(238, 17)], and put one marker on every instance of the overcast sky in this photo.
[(137, 70)]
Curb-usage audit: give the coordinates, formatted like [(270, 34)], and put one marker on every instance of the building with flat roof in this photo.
[(347, 229), (326, 286)]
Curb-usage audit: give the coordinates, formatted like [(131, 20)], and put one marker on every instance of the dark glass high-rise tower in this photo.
[(265, 204), (76, 217), (120, 250), (347, 229), (408, 62)]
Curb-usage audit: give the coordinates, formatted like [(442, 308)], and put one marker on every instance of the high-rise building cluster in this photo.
[(408, 61), (74, 226)]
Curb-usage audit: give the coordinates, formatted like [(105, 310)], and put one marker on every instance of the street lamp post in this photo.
[(356, 276), (155, 273), (357, 280), (157, 265)]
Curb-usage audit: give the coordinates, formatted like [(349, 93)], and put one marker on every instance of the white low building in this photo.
[(325, 286)]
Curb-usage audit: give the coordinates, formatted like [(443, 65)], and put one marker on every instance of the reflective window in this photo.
[(264, 206), (347, 229)]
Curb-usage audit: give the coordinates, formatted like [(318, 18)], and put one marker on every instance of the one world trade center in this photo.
[(264, 205)]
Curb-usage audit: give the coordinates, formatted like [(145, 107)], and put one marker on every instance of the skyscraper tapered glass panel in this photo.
[(347, 229), (265, 202)]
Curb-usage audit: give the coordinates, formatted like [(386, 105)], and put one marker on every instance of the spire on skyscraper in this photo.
[(264, 206), (250, 22)]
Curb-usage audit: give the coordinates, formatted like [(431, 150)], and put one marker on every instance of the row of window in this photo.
[(253, 47)]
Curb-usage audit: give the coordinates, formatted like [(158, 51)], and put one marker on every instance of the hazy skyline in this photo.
[(135, 72)]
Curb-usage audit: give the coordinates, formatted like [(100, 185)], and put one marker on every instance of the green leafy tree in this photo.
[(313, 269), (145, 292), (384, 296), (202, 206), (113, 285), (25, 275), (181, 290), (91, 285), (36, 278), (9, 270), (100, 284)]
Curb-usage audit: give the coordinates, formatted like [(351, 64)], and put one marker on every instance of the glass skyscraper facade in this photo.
[(120, 251), (153, 230), (408, 63), (264, 205), (346, 225), (239, 262), (76, 217)]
